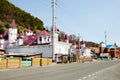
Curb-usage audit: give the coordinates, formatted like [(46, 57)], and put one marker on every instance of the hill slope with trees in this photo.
[(24, 20)]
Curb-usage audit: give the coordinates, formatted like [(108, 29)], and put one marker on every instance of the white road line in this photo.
[(93, 74), (90, 76), (84, 77), (93, 78)]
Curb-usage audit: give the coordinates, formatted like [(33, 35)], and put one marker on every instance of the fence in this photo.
[(85, 59), (10, 63), (3, 63), (36, 62), (18, 62), (26, 63), (41, 61)]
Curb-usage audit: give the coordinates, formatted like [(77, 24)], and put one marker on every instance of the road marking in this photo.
[(84, 77), (96, 72), (89, 77), (93, 74), (93, 77)]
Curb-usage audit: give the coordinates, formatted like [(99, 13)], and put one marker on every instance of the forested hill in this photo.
[(24, 20)]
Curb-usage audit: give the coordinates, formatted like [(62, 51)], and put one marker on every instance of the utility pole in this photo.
[(79, 47), (53, 27), (105, 38), (79, 42)]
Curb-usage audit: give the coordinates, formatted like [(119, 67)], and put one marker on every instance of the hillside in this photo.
[(91, 44), (24, 20)]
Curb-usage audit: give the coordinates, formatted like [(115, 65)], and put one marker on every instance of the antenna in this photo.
[(53, 27)]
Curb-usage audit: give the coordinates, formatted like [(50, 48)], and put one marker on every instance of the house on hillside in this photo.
[(31, 44), (84, 51), (81, 51)]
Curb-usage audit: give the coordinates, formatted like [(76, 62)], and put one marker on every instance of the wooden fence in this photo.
[(18, 62), (10, 63)]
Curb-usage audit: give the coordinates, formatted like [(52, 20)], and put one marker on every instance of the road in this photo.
[(102, 70)]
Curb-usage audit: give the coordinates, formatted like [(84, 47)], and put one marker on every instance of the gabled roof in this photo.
[(13, 24), (44, 33), (28, 30), (66, 37), (82, 42), (102, 42), (30, 39)]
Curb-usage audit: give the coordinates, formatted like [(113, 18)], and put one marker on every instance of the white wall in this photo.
[(62, 48), (2, 44), (87, 53), (12, 35)]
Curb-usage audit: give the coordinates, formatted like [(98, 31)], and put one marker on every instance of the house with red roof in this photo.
[(43, 37), (33, 44)]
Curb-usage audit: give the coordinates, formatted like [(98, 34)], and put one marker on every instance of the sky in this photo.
[(88, 18)]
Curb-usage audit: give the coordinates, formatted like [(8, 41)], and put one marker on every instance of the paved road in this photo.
[(74, 71)]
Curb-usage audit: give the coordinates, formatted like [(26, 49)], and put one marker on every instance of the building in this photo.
[(110, 51), (84, 51), (34, 44)]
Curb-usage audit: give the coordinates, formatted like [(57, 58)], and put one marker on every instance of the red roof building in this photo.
[(44, 33), (30, 39)]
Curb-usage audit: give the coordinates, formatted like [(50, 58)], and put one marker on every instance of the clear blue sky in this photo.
[(89, 18)]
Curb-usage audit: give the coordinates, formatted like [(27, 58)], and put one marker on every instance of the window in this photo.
[(48, 38), (45, 38), (40, 38)]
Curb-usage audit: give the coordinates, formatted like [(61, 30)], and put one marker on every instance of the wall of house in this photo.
[(102, 50), (2, 44), (87, 53), (62, 48), (12, 34), (43, 39), (46, 50)]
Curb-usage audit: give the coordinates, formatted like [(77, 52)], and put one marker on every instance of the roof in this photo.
[(28, 30), (13, 24), (55, 28), (102, 42), (66, 37), (82, 42), (44, 33), (108, 46), (30, 38), (111, 46)]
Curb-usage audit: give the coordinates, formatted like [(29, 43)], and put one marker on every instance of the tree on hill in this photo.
[(91, 44), (8, 12)]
